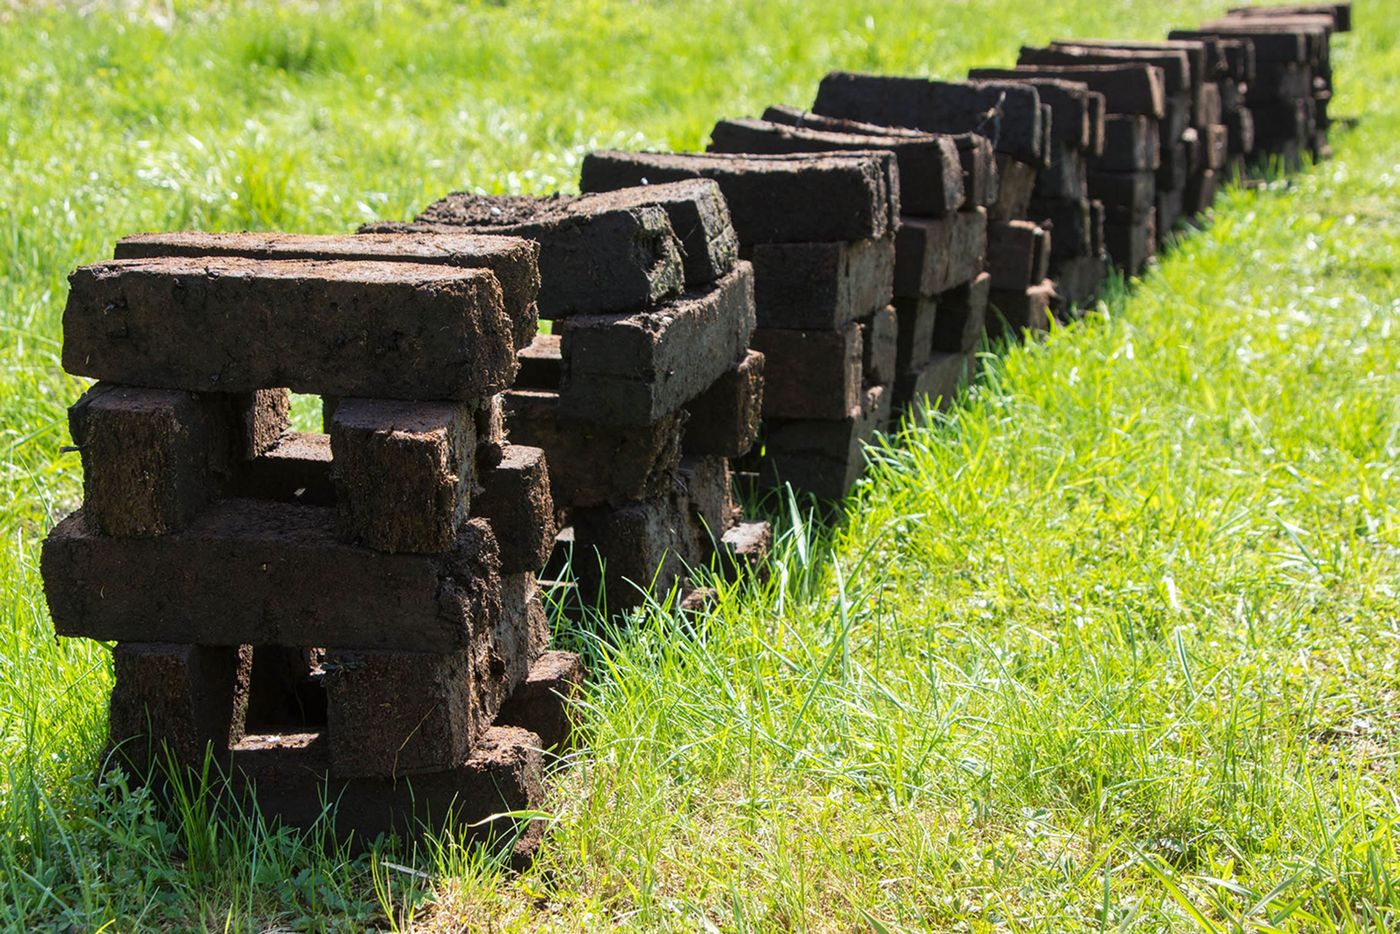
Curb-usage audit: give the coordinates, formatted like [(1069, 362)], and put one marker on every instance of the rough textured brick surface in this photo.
[(1131, 245), (247, 571), (1014, 312), (723, 420), (917, 318), (229, 324), (934, 254), (936, 383), (544, 703), (975, 152), (591, 463), (1018, 254), (405, 713), (1126, 196), (593, 258), (514, 261), (810, 374), (879, 346), (504, 772), (186, 697), (930, 171), (152, 458), (515, 499), (773, 199), (541, 364), (1175, 64), (1073, 109), (821, 285), (404, 472), (962, 316), (823, 457), (637, 368), (1131, 144), (1131, 88), (938, 107), (642, 548)]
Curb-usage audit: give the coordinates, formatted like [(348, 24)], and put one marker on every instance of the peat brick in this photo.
[(824, 457), (934, 254), (591, 463), (773, 199), (1018, 254), (962, 316), (1010, 118), (699, 216), (248, 571), (541, 364), (1126, 196), (633, 369), (1131, 245), (152, 458), (1132, 88), (1130, 144), (404, 472), (297, 469), (935, 384), (188, 697), (544, 704), (515, 498), (263, 417), (490, 418), (595, 255), (917, 318), (622, 555), (1065, 178), (514, 261), (1169, 207), (290, 772), (724, 419), (1018, 182), (1175, 64), (810, 374), (1070, 226), (821, 285), (1076, 112), (377, 330), (975, 152), (879, 346), (707, 488), (1014, 312), (744, 549), (404, 713), (930, 171)]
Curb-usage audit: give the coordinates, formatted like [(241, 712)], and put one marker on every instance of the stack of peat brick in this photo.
[(1060, 204), (1015, 121), (819, 230), (1289, 89), (1175, 138), (646, 387), (1193, 163), (940, 241), (1123, 176), (350, 617)]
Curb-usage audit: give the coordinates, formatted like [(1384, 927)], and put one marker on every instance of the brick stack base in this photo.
[(350, 616)]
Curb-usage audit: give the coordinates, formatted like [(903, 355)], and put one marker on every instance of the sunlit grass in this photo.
[(1110, 647)]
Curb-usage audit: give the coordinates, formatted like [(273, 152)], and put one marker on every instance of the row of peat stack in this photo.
[(346, 616), (646, 386)]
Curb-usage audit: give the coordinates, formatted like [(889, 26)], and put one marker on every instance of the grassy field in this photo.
[(1114, 646)]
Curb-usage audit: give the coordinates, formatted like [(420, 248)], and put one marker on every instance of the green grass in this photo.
[(1112, 647)]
